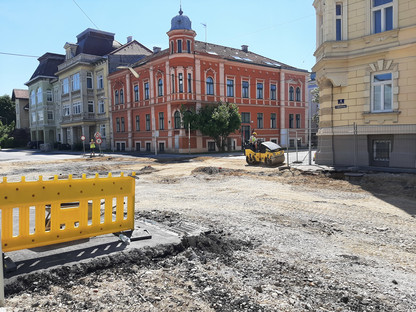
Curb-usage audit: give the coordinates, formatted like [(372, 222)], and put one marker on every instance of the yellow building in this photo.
[(366, 71)]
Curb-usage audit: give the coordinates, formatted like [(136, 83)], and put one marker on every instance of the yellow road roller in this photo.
[(266, 152)]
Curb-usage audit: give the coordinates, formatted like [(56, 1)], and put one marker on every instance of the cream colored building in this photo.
[(366, 71), (83, 94)]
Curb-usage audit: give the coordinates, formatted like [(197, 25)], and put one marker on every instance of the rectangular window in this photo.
[(66, 110), (259, 120), (118, 124), (65, 86), (137, 123), (245, 89), (100, 81), (273, 92), (382, 93), (160, 87), (260, 90), (90, 106), (298, 121), (122, 125), (146, 91), (121, 96), (136, 93), (103, 131), (230, 88), (382, 15), (76, 108), (189, 83), (101, 107), (49, 95), (33, 117), (147, 122), (245, 117), (75, 82), (161, 121), (338, 21), (50, 115), (89, 80), (180, 83), (179, 46), (148, 146), (39, 95), (273, 120), (290, 121), (173, 83), (40, 116), (188, 46)]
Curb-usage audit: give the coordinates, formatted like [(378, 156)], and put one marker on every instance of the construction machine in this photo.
[(266, 152)]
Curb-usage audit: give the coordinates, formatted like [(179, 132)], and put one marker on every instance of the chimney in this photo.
[(156, 50), (244, 48), (129, 39)]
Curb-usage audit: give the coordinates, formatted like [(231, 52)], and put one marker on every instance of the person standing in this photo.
[(92, 148)]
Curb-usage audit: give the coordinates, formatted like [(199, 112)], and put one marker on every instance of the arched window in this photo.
[(210, 86), (177, 119), (40, 95), (160, 87), (291, 91), (298, 94), (116, 97), (121, 96)]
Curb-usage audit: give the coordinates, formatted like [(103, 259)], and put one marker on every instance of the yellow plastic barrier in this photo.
[(38, 213)]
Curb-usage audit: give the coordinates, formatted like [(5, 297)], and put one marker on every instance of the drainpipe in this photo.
[(332, 124)]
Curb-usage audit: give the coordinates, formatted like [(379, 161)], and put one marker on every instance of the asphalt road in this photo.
[(20, 155)]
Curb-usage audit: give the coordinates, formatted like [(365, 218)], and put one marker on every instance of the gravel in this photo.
[(275, 240)]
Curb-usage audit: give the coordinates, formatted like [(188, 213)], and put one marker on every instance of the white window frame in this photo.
[(338, 17), (382, 8), (90, 80), (66, 111), (49, 95), (383, 84), (40, 116), (65, 86), (91, 104), (103, 130), (100, 81), (39, 95), (76, 108), (32, 97), (75, 85), (101, 107)]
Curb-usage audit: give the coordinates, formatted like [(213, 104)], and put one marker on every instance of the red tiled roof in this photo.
[(20, 94)]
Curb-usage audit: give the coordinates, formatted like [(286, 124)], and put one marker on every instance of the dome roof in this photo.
[(181, 22)]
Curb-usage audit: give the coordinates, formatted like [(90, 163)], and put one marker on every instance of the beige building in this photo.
[(21, 99), (366, 72)]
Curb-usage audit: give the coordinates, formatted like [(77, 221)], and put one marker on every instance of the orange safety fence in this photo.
[(38, 213)]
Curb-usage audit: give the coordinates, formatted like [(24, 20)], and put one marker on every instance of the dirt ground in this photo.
[(277, 239)]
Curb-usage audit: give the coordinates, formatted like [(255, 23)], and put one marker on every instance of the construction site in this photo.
[(215, 234)]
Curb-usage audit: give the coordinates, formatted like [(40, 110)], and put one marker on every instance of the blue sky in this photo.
[(279, 29)]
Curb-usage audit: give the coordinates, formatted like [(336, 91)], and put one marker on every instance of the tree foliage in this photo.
[(217, 121), (7, 110), (7, 121), (315, 99)]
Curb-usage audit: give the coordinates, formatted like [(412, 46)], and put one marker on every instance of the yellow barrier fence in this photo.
[(38, 213)]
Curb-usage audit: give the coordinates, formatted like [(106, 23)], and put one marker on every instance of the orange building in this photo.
[(146, 97)]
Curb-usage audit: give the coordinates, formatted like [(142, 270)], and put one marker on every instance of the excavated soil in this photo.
[(276, 239)]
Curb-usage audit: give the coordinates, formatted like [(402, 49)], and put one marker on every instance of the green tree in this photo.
[(6, 138), (218, 122), (7, 110), (315, 99)]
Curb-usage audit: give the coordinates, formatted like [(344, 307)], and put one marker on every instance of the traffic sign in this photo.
[(97, 135), (99, 141), (82, 137)]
